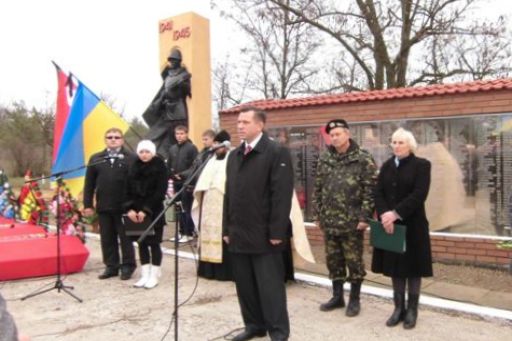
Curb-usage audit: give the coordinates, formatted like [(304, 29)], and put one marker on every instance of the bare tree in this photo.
[(138, 129), (279, 56), (112, 103), (395, 43), (229, 86), (27, 136), (461, 58)]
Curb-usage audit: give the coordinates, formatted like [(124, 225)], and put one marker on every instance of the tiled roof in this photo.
[(379, 95)]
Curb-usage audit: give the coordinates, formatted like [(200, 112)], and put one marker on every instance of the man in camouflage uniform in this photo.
[(344, 184)]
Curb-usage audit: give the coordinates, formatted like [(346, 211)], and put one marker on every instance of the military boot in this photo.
[(411, 315), (354, 306), (336, 300), (399, 312)]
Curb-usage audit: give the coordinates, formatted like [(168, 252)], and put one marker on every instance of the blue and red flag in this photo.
[(88, 119)]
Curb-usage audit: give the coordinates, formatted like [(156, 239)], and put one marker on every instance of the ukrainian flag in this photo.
[(83, 135)]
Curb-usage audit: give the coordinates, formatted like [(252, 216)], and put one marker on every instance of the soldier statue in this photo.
[(169, 107)]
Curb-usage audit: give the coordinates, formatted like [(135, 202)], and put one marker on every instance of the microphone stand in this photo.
[(179, 211), (59, 284)]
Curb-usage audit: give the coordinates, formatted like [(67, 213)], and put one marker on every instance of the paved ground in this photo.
[(113, 310)]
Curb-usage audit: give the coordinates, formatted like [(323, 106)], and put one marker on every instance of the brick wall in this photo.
[(449, 249), (474, 250)]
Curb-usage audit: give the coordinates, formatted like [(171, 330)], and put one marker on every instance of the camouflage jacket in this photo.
[(344, 188)]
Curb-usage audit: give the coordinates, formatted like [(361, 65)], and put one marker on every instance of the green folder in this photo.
[(380, 239)]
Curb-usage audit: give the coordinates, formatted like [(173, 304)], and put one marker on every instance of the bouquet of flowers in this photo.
[(70, 218)]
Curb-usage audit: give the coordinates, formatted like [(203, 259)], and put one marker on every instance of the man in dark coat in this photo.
[(207, 138), (169, 107), (181, 156), (107, 181), (256, 226)]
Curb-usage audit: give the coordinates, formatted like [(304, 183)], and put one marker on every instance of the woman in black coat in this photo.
[(147, 185), (401, 191)]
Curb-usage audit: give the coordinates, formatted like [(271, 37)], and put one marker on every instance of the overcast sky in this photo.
[(111, 45)]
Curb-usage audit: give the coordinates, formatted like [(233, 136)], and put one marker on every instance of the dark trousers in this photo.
[(261, 292), (186, 223), (112, 235), (150, 253)]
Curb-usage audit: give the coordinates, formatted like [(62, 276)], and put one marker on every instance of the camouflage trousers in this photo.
[(345, 251)]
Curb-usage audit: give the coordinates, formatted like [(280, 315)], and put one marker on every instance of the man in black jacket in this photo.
[(256, 226), (181, 157), (207, 139), (106, 178)]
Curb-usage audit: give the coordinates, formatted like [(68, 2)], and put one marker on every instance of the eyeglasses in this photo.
[(113, 137)]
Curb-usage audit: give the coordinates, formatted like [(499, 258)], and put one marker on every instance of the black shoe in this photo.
[(127, 273), (249, 334), (336, 301), (399, 312), (354, 306), (333, 303), (411, 315), (108, 273)]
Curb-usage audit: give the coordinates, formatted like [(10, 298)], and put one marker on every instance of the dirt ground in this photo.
[(114, 310)]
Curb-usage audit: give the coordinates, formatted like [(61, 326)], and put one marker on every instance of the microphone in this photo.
[(112, 157), (224, 144)]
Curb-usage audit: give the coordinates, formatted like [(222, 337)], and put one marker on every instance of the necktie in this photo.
[(248, 149), (111, 154)]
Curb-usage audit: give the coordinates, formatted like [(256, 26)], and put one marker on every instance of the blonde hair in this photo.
[(407, 136), (114, 130)]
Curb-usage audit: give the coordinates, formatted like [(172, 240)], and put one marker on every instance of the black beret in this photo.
[(222, 136), (337, 123)]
